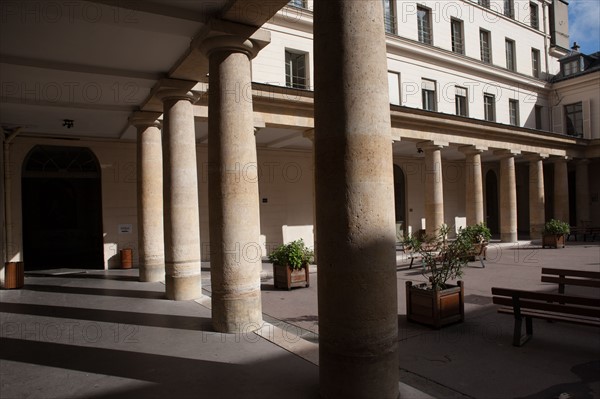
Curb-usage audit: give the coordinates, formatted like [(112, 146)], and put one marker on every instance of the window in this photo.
[(533, 16), (428, 93), (538, 117), (509, 8), (298, 3), (574, 117), (485, 46), (295, 70), (571, 67), (485, 3), (513, 110), (461, 101), (394, 87), (510, 55), (457, 36), (535, 63), (424, 25), (389, 16), (489, 107)]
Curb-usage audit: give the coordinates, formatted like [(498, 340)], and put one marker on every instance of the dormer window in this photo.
[(571, 66)]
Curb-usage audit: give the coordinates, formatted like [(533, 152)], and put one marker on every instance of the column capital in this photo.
[(233, 37), (432, 144), (560, 158), (145, 119), (168, 93), (472, 149), (506, 153), (534, 157)]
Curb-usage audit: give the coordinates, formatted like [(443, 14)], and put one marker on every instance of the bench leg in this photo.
[(412, 259), (518, 338)]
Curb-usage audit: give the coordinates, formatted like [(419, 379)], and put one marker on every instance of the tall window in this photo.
[(457, 36), (571, 67), (485, 3), (513, 110), (533, 16), (485, 46), (538, 117), (489, 107), (510, 55), (428, 94), (389, 16), (461, 101), (295, 70), (535, 63), (298, 3), (424, 25), (574, 117), (509, 8)]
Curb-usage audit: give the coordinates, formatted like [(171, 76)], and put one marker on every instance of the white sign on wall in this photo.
[(125, 228)]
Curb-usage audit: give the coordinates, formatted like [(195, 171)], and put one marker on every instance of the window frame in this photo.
[(509, 8), (428, 96), (484, 3), (457, 47), (535, 63), (574, 126), (538, 116), (485, 52), (534, 16), (291, 75), (461, 101), (511, 58), (513, 112), (424, 27), (489, 107), (390, 20)]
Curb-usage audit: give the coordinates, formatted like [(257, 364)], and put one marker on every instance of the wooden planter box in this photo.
[(286, 277), (435, 308), (553, 240), (14, 275)]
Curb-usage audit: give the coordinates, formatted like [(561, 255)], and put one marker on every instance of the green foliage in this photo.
[(295, 254), (557, 227), (443, 261), (479, 233)]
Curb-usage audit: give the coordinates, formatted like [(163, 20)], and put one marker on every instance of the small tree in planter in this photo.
[(437, 302), (290, 265), (480, 236), (554, 233)]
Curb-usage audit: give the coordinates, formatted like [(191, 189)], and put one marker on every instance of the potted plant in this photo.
[(480, 236), (437, 302), (554, 232), (290, 265)]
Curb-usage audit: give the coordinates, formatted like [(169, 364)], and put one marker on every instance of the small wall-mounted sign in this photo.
[(125, 228)]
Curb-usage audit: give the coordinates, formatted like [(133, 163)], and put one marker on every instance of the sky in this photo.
[(584, 24)]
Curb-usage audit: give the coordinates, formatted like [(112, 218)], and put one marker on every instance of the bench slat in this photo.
[(571, 273), (551, 307), (543, 296), (554, 317), (571, 281)]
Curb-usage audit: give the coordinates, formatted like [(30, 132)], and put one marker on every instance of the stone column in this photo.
[(473, 184), (233, 202), (181, 219), (561, 190), (358, 315), (310, 134), (434, 186), (582, 182), (150, 197), (537, 200), (508, 197)]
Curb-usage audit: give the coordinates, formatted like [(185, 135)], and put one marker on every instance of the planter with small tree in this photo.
[(554, 233), (437, 302), (291, 265)]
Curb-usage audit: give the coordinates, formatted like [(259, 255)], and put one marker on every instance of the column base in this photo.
[(152, 274), (237, 315), (508, 237), (183, 288)]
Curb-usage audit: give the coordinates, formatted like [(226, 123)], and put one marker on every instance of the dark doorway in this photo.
[(491, 202), (62, 209), (573, 199), (400, 201)]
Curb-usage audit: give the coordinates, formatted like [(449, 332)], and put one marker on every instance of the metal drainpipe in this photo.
[(7, 195), (546, 47)]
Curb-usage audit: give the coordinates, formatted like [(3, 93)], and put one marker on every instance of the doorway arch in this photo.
[(61, 198), (491, 202), (399, 201)]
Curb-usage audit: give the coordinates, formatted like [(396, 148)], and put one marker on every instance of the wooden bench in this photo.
[(530, 305), (564, 277), (585, 231)]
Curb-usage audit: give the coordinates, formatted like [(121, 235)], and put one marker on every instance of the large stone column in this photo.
[(434, 186), (150, 197), (181, 220), (310, 134), (235, 254), (561, 190), (582, 182), (537, 200), (473, 184), (358, 315), (508, 197)]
